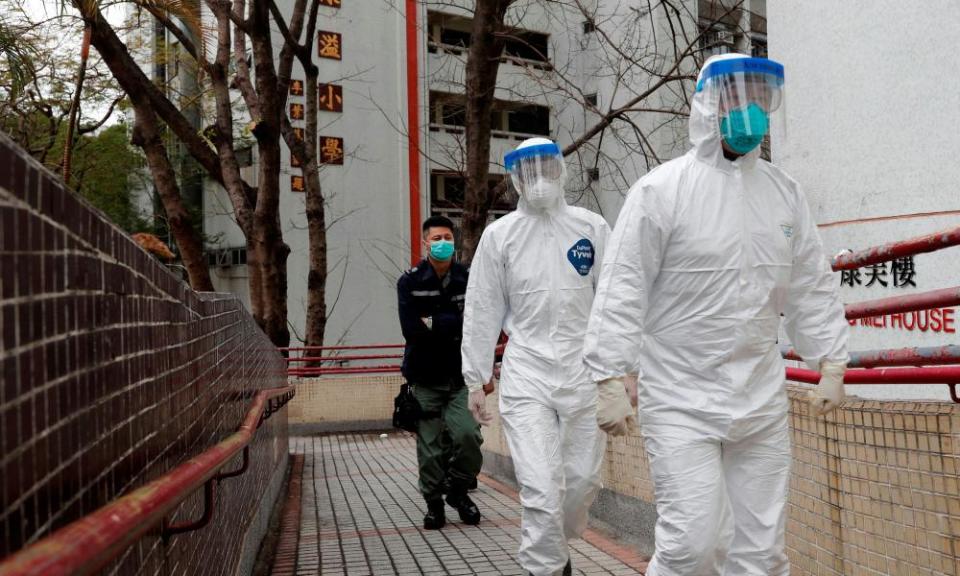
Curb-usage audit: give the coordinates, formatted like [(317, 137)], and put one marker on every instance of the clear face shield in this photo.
[(538, 172), (748, 95)]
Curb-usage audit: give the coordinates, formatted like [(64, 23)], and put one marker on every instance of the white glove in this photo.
[(614, 412), (829, 392), (477, 402)]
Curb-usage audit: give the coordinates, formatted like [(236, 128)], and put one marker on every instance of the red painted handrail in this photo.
[(894, 250), (920, 356), (344, 358), (88, 544), (943, 298), (319, 371), (931, 375), (321, 348)]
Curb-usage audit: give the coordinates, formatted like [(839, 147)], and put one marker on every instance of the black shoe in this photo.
[(435, 518), (469, 514)]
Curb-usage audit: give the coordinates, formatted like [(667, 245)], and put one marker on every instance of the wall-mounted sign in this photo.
[(329, 45), (901, 274), (330, 97), (331, 150), (296, 111), (297, 184)]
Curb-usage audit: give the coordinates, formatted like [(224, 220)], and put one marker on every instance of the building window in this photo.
[(454, 38), (447, 33), (717, 39), (448, 113), (758, 45), (450, 34), (526, 45), (591, 99), (530, 119), (227, 257), (447, 193), (724, 28)]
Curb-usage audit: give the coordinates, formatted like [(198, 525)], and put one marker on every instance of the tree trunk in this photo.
[(483, 62), (316, 224), (271, 249), (146, 134), (241, 197)]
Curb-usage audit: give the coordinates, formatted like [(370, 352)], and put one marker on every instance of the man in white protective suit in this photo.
[(533, 276), (708, 252)]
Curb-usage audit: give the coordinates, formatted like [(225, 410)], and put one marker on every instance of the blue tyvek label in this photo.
[(581, 256)]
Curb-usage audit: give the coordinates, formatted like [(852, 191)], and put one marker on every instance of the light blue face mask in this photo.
[(441, 250), (744, 128)]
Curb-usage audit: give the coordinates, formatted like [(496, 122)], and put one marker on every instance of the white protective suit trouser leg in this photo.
[(721, 502), (557, 451)]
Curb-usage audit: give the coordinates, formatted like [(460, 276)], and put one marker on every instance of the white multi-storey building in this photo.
[(563, 63), (868, 134)]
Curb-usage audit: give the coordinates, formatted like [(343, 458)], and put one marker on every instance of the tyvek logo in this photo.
[(787, 231), (581, 256)]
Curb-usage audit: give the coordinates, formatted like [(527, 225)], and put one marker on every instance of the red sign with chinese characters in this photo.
[(329, 45), (331, 150), (296, 111), (330, 97), (297, 184)]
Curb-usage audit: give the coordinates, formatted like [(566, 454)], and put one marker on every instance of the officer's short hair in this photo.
[(437, 222)]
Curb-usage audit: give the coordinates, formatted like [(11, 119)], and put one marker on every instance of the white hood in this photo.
[(705, 124)]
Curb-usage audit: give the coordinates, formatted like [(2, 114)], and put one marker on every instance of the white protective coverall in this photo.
[(533, 276), (706, 255)]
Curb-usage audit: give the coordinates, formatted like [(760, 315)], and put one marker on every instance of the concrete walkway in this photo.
[(354, 509)]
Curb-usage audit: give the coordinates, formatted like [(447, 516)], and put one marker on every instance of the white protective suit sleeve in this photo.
[(814, 315), (485, 309), (613, 340)]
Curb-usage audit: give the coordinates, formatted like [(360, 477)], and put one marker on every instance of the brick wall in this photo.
[(112, 372), (873, 491), (343, 403)]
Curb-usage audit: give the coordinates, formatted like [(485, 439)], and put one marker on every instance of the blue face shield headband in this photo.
[(746, 92)]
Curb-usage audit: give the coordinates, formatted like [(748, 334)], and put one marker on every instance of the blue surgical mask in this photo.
[(441, 250), (744, 128)]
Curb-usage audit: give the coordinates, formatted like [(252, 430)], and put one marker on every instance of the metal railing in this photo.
[(329, 361), (927, 365), (308, 361), (88, 544)]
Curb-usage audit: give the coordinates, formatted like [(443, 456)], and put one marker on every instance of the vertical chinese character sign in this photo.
[(330, 97), (297, 184), (296, 111), (331, 150), (329, 45)]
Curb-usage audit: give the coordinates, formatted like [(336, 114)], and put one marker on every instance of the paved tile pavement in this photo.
[(356, 510)]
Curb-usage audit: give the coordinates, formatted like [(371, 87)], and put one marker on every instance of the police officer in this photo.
[(430, 301)]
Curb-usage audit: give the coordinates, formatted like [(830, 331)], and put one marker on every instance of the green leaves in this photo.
[(18, 54)]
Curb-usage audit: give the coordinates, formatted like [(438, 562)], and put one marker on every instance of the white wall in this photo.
[(366, 198), (873, 109)]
